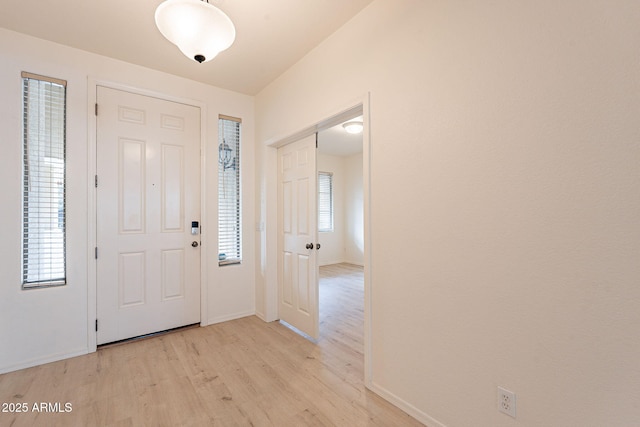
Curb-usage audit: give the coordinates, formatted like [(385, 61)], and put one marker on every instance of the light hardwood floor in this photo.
[(240, 373)]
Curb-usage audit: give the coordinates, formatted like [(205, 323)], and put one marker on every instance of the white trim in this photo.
[(229, 317), (331, 262), (42, 360), (92, 128), (358, 263), (204, 288), (345, 113), (92, 284), (416, 413), (367, 150), (341, 261)]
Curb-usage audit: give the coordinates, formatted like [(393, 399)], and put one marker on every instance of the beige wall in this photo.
[(38, 326), (504, 202), (354, 210)]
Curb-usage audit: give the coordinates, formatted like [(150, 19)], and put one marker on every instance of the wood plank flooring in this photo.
[(240, 373)]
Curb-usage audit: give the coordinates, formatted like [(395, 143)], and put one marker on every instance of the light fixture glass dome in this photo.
[(353, 127), (199, 29)]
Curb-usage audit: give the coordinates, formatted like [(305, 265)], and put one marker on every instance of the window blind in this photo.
[(229, 192), (44, 157), (325, 201)]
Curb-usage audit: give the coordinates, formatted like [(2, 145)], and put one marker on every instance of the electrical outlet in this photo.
[(507, 402)]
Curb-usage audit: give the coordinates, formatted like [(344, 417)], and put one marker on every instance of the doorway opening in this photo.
[(275, 287), (341, 233)]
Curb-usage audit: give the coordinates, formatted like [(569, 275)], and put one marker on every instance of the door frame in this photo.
[(360, 106), (92, 129)]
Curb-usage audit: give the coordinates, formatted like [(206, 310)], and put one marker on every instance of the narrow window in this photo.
[(229, 201), (325, 201), (43, 202)]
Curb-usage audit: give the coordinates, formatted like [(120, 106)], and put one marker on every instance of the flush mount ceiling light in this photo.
[(353, 127), (199, 29)]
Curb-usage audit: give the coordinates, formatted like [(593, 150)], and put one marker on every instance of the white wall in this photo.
[(346, 242), (333, 242), (504, 202), (354, 210), (37, 326)]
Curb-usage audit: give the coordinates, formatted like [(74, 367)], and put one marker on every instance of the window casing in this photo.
[(44, 182), (229, 191), (325, 201)]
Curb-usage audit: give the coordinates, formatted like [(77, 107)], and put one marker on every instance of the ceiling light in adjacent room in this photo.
[(353, 127), (199, 29)]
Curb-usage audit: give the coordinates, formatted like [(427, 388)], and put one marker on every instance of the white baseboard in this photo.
[(342, 261), (42, 360), (232, 316), (323, 263), (405, 406)]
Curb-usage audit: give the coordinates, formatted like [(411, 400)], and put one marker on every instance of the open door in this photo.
[(297, 236)]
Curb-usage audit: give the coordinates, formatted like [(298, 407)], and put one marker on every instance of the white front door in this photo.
[(297, 236), (148, 192)]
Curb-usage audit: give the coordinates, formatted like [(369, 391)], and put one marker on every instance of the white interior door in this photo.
[(297, 236), (148, 192)]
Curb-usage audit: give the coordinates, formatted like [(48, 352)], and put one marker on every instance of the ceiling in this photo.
[(336, 141), (271, 35)]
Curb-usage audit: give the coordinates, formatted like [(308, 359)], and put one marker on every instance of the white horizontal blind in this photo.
[(43, 219), (229, 206), (325, 201)]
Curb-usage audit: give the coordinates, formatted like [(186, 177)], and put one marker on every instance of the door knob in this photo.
[(309, 246), (194, 244), (318, 246)]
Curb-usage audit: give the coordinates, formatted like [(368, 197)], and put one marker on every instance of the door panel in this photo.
[(172, 274), (148, 166), (131, 178), (131, 281), (172, 188), (297, 265)]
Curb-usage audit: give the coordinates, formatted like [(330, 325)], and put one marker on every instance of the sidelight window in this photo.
[(325, 201), (229, 194), (43, 202)]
